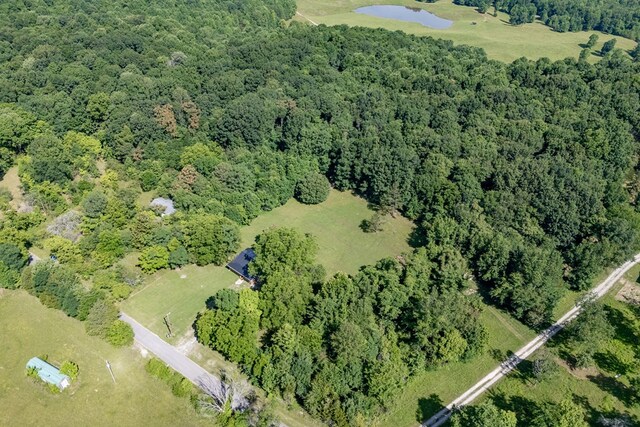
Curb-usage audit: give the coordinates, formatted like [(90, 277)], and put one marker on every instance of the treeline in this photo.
[(527, 168), (619, 17), (344, 346)]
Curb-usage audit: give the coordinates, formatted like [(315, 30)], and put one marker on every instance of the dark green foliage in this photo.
[(210, 238), (313, 189), (588, 333), (485, 414), (57, 286), (608, 46), (13, 257), (342, 347)]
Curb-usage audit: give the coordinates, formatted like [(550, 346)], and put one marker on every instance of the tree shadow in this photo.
[(498, 355), (623, 331), (427, 406), (416, 238), (613, 387), (610, 363), (592, 413), (525, 409)]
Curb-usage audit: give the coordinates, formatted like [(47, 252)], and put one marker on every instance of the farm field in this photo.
[(29, 329), (500, 40), (335, 223)]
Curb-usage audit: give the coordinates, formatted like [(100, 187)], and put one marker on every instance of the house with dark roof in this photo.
[(240, 264)]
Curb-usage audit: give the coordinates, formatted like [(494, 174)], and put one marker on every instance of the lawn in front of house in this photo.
[(179, 293)]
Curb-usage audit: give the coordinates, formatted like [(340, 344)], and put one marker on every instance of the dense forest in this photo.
[(619, 17), (520, 176)]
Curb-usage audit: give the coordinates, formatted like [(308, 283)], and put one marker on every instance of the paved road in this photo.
[(170, 355), (507, 366)]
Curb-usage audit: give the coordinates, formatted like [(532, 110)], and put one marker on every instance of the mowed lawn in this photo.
[(29, 329), (335, 224), (495, 35), (181, 293)]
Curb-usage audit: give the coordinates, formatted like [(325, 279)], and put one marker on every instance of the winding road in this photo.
[(507, 366), (171, 356)]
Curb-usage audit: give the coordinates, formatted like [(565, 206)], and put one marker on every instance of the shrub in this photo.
[(70, 369), (120, 334), (313, 189), (182, 387), (158, 369)]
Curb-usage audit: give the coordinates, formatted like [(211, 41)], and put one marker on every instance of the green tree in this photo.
[(278, 248), (100, 318), (210, 238), (486, 414), (153, 258), (313, 189), (119, 334), (589, 332), (593, 39), (608, 46), (566, 413)]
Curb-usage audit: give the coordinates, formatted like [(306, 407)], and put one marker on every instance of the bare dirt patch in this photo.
[(580, 373), (629, 293), (186, 343)]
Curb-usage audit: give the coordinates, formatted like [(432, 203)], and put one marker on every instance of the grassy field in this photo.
[(494, 34), (335, 224), (29, 329), (11, 181), (182, 293), (595, 388)]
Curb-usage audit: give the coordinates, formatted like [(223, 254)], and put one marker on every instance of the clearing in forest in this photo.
[(335, 224), (494, 34)]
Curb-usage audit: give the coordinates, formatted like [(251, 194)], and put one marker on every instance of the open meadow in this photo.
[(335, 223), (29, 329), (495, 35)]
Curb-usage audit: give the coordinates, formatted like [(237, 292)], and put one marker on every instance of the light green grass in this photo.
[(166, 292), (29, 329), (428, 392), (11, 181), (494, 34), (335, 224)]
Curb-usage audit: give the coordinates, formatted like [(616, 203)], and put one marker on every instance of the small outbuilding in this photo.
[(49, 373), (240, 264), (162, 203)]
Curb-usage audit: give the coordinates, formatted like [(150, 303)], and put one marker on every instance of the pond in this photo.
[(407, 14)]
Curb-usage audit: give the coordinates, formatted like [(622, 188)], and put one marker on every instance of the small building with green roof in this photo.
[(49, 373)]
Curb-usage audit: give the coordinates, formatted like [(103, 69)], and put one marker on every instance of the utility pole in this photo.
[(110, 371), (168, 324)]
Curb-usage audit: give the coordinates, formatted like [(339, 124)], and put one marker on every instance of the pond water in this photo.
[(407, 14)]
